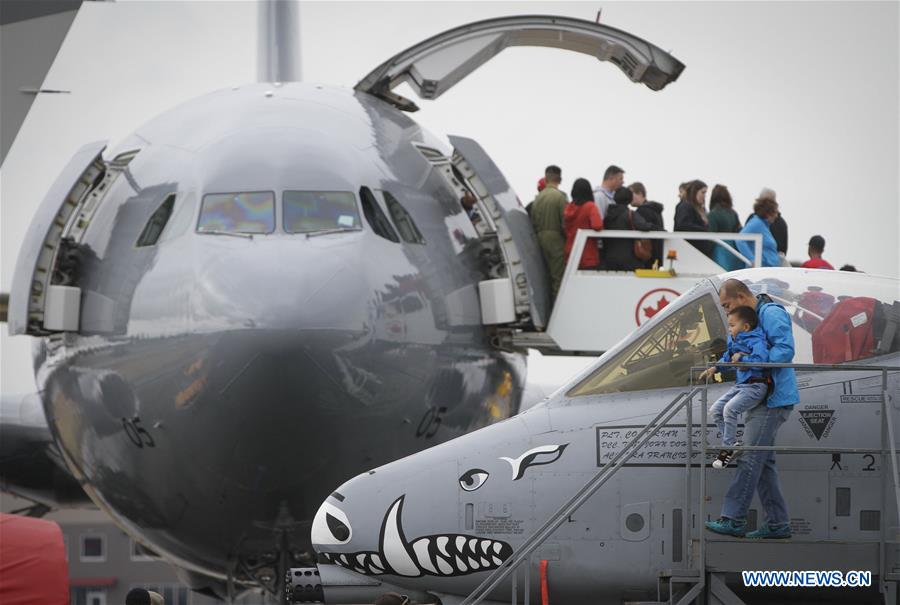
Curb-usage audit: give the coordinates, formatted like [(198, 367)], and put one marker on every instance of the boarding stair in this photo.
[(713, 564)]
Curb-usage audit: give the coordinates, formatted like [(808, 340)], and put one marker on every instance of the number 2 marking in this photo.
[(871, 466)]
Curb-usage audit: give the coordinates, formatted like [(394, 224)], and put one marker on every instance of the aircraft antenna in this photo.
[(278, 45)]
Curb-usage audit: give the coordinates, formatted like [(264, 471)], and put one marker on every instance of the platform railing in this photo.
[(522, 556), (583, 236), (887, 450)]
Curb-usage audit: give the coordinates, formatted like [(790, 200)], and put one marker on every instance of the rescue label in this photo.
[(860, 398)]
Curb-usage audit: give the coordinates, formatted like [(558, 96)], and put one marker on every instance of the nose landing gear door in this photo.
[(521, 254)]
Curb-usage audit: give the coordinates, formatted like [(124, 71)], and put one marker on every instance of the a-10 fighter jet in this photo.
[(441, 521)]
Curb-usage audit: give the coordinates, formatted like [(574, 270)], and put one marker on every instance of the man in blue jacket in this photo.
[(756, 469)]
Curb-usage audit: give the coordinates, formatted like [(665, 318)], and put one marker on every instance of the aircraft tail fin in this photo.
[(278, 45)]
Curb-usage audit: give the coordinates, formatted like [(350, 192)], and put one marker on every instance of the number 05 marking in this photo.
[(431, 422), (137, 434)]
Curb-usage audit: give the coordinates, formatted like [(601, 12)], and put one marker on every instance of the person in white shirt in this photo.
[(613, 178)]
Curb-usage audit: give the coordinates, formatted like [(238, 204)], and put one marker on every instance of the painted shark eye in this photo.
[(473, 479), (331, 526)]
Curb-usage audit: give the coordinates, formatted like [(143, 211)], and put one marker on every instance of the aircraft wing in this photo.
[(434, 66), (30, 464)]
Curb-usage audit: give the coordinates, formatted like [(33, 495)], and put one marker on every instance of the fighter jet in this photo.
[(271, 288), (440, 521)]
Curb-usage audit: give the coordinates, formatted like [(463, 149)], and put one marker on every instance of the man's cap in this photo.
[(138, 596), (542, 182)]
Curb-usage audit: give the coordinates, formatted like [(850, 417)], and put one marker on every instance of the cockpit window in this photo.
[(238, 213), (310, 211), (157, 222), (375, 217), (405, 224), (662, 357)]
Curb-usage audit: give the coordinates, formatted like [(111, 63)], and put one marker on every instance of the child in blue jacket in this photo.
[(746, 343)]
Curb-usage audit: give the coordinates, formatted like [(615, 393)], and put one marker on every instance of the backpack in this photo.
[(855, 328)]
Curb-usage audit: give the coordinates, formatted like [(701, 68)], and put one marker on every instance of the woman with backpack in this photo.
[(619, 253)]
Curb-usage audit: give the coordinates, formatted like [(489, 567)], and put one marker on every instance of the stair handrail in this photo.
[(524, 552)]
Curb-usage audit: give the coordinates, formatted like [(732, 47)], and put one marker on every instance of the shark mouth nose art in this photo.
[(442, 555)]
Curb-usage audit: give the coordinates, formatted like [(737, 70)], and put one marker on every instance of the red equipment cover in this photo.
[(846, 334), (33, 567)]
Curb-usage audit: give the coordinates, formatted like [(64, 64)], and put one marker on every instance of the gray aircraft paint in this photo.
[(219, 385), (619, 540)]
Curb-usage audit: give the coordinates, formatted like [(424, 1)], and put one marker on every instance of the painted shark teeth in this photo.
[(436, 555)]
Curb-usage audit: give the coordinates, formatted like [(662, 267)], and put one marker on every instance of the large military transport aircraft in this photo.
[(271, 288), (439, 521)]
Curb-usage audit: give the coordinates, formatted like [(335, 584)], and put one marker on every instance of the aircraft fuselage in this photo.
[(221, 385)]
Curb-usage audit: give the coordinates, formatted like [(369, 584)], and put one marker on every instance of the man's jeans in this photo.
[(739, 399), (756, 469)]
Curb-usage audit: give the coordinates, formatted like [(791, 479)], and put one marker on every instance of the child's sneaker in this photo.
[(725, 457)]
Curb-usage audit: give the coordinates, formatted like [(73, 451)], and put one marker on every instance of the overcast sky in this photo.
[(801, 97)]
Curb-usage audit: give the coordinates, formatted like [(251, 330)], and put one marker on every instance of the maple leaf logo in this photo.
[(660, 305)]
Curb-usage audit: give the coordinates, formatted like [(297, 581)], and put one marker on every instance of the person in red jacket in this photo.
[(582, 213), (816, 248)]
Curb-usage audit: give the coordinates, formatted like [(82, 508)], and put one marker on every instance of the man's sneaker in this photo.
[(728, 527), (781, 532), (725, 457)]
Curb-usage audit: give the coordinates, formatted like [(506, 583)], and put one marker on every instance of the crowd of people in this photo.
[(613, 206)]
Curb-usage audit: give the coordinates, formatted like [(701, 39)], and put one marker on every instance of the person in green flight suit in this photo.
[(547, 219)]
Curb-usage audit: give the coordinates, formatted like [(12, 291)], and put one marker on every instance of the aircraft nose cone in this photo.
[(403, 519), (281, 284)]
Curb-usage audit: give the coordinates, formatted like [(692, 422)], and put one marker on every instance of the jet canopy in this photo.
[(691, 331)]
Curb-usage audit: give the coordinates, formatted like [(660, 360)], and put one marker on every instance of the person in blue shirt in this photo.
[(756, 470), (746, 343), (765, 211)]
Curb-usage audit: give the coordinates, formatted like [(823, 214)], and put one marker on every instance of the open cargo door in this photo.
[(525, 268), (45, 296)]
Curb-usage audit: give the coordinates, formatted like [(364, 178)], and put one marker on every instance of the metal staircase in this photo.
[(712, 559)]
